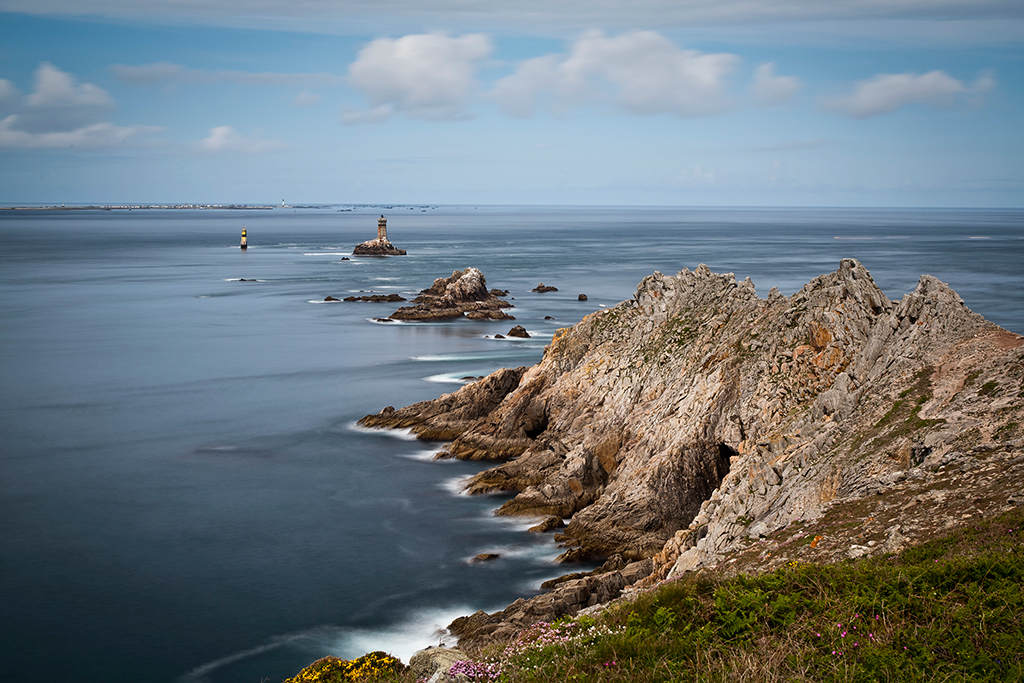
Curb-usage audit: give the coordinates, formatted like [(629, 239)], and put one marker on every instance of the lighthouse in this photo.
[(382, 229), (244, 245)]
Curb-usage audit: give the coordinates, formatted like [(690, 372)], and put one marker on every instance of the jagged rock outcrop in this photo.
[(568, 597), (450, 415), (463, 294), (640, 412)]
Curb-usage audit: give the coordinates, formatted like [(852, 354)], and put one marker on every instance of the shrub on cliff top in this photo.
[(375, 666)]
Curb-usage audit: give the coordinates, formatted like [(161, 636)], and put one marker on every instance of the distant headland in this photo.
[(129, 207)]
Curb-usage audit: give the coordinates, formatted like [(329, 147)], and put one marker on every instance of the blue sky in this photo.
[(666, 102)]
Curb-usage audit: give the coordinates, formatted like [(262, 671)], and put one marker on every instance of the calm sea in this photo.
[(183, 494)]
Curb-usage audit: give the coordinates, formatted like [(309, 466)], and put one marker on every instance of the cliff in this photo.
[(699, 425)]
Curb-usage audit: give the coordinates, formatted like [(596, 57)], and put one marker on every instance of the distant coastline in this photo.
[(129, 207)]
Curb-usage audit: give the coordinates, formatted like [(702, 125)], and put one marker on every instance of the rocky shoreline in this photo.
[(698, 427)]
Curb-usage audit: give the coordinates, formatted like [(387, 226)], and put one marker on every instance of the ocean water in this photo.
[(184, 496)]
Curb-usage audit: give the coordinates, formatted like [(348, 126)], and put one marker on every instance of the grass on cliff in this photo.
[(951, 609)]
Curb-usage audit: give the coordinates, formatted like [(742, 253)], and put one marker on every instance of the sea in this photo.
[(185, 496)]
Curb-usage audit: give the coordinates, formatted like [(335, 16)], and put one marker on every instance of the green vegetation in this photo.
[(902, 419), (951, 609), (988, 389)]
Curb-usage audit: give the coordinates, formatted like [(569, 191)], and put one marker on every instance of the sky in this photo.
[(576, 102)]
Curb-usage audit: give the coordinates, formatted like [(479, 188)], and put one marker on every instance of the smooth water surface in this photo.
[(183, 493)]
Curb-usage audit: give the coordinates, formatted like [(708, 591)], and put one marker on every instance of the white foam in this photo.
[(456, 486), (321, 301), (387, 321), (449, 378), (425, 455), (979, 237), (516, 523), (423, 628), (540, 553), (325, 253), (403, 434), (445, 357)]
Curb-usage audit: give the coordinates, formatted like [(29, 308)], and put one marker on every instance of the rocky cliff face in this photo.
[(696, 418)]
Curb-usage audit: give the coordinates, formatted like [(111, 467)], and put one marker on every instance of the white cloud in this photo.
[(306, 99), (166, 72), (58, 104), (60, 113), (227, 139), (641, 72), (888, 92), (423, 75), (9, 95), (94, 136), (768, 88)]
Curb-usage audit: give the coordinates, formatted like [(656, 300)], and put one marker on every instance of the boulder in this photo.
[(426, 663), (519, 331), (581, 297)]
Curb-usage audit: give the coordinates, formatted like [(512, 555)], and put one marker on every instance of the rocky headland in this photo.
[(464, 294), (698, 427)]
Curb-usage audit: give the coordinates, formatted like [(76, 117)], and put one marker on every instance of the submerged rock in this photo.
[(330, 298), (485, 557), (377, 298)]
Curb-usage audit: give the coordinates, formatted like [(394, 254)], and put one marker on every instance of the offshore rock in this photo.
[(541, 288), (377, 247), (463, 294), (519, 331)]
